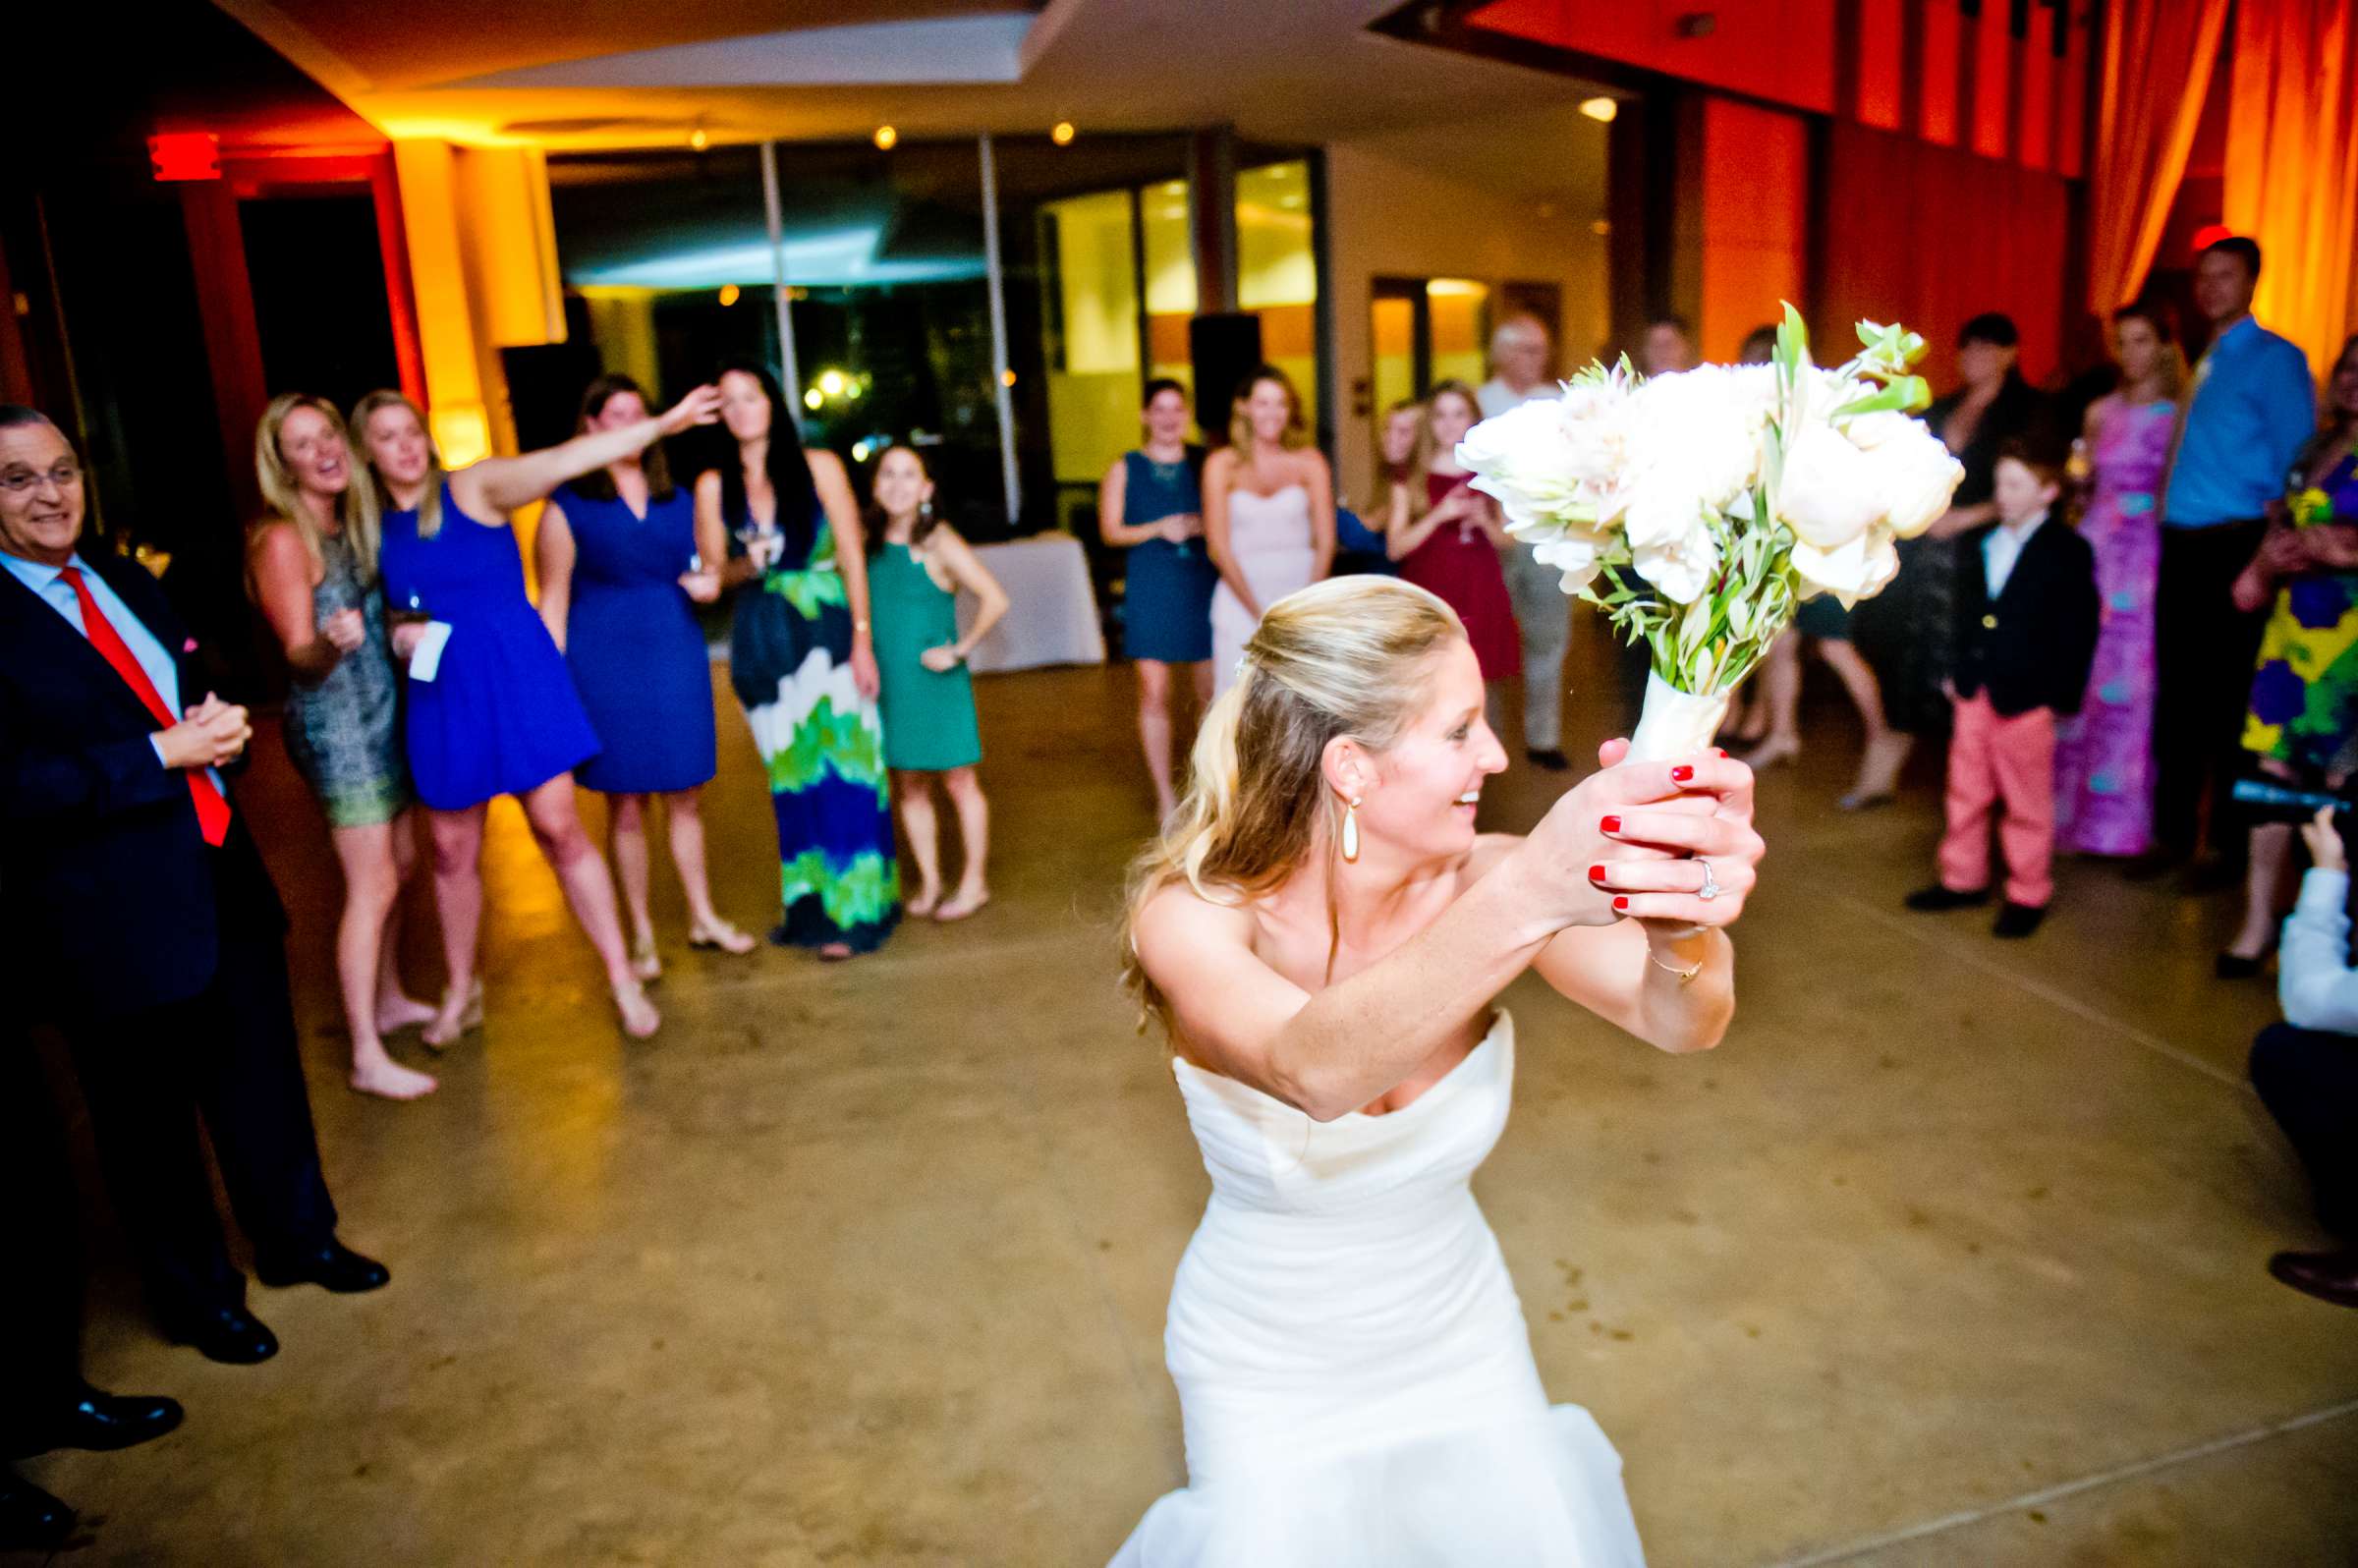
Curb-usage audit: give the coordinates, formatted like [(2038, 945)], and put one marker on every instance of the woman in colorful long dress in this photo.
[(492, 709), (2303, 724), (1447, 538), (620, 579), (916, 564), (802, 661), (2104, 760), (312, 568)]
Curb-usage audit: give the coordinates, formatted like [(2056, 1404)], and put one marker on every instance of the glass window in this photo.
[(1458, 310), (1277, 270)]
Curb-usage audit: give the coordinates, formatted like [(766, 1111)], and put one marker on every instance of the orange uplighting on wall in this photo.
[(185, 155)]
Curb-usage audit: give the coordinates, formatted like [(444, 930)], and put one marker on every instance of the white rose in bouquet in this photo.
[(1828, 497), (1683, 567), (1701, 427), (1909, 468), (1857, 570)]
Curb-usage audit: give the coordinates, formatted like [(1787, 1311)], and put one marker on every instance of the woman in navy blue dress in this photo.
[(1150, 506), (620, 574), (491, 706)]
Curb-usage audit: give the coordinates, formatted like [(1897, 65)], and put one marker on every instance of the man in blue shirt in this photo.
[(2249, 410)]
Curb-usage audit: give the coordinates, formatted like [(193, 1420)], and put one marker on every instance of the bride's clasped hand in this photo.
[(1671, 844)]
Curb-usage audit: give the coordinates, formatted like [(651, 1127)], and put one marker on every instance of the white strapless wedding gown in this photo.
[(1354, 1372), (1270, 537)]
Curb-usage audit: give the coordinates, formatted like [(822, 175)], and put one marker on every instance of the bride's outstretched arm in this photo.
[(1333, 1051)]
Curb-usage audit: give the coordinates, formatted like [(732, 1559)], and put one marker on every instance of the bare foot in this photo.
[(456, 1015), (399, 1012), (720, 934), (645, 961), (1773, 750), (835, 952), (926, 900), (969, 900), (389, 1080), (639, 1016)]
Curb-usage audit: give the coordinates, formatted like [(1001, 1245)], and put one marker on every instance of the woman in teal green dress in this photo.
[(918, 565)]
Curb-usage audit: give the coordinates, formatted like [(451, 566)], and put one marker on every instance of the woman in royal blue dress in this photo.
[(1151, 505), (491, 706), (620, 577), (802, 661)]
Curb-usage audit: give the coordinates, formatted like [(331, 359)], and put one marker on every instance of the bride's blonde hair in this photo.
[(1348, 657)]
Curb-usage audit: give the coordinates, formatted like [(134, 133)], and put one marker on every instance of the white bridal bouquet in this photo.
[(1698, 509)]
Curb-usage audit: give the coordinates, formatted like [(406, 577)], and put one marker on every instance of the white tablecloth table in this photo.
[(1051, 614)]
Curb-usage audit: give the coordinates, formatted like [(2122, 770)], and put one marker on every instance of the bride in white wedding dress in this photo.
[(1324, 934)]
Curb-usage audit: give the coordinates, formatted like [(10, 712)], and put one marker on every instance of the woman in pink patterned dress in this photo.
[(2104, 762)]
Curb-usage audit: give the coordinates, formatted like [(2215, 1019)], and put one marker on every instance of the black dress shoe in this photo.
[(2018, 920), (232, 1336), (1548, 758), (31, 1519), (1937, 898), (2328, 1276), (2237, 966), (96, 1421), (334, 1266)]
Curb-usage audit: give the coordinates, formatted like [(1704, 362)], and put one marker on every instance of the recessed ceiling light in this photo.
[(886, 135), (1062, 134), (700, 139), (1600, 109)]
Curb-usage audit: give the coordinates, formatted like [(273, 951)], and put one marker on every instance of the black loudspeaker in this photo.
[(1223, 350)]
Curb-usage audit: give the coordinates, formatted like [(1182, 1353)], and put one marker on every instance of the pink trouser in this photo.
[(2008, 764)]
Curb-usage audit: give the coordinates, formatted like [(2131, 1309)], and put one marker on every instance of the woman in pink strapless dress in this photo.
[(1269, 513), (1447, 538)]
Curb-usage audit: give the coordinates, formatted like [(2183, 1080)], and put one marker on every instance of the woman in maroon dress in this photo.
[(1446, 537)]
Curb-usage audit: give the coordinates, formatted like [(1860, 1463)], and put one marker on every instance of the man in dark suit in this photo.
[(44, 1403), (2027, 619), (140, 919)]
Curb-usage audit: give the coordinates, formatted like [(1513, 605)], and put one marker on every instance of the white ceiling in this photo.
[(1291, 71)]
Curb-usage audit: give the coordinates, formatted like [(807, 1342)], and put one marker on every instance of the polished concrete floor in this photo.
[(1950, 1254)]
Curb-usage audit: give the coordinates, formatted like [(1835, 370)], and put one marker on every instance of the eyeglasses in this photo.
[(64, 474)]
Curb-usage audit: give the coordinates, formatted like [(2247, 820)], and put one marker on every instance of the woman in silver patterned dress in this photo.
[(312, 568)]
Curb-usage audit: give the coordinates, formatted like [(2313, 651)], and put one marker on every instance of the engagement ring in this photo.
[(1710, 884)]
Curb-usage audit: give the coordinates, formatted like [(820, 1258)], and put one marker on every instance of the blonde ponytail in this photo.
[(1345, 657)]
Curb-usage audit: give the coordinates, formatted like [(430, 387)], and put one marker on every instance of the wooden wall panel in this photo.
[(1882, 92), (1937, 117), (1780, 50), (1988, 235), (1755, 198)]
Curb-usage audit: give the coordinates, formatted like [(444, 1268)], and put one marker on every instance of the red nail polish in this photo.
[(1719, 752), (1596, 873), (1681, 773), (1612, 825), (1620, 906)]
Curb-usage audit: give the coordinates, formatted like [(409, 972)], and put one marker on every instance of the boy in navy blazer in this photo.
[(140, 918), (2027, 615)]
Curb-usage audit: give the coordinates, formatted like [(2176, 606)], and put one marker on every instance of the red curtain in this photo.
[(2157, 72), (1928, 236)]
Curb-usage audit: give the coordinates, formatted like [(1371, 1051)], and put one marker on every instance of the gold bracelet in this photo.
[(1684, 975)]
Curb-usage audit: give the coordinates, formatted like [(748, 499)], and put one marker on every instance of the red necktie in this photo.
[(212, 811)]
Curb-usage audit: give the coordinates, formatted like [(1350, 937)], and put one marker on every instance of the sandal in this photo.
[(645, 962), (722, 935)]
